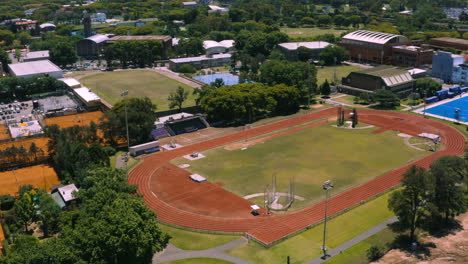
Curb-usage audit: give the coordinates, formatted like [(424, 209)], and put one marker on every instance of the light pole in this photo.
[(327, 186), (124, 95)]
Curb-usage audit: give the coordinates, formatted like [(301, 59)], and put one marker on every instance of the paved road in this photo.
[(355, 240), (172, 253)]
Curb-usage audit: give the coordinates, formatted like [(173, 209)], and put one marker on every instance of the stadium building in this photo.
[(386, 77), (370, 46), (290, 49)]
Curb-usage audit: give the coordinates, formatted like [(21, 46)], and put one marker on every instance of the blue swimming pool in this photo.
[(228, 78), (448, 109)]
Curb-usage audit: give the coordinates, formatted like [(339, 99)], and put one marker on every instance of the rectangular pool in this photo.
[(449, 109)]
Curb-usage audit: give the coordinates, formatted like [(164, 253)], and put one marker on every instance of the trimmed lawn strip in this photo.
[(189, 240), (306, 245), (310, 32), (358, 252), (139, 83), (199, 261), (326, 73)]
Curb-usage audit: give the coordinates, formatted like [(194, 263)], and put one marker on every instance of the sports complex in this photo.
[(232, 165)]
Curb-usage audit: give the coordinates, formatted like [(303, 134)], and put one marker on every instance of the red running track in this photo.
[(268, 229)]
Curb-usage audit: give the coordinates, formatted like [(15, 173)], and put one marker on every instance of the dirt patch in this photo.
[(83, 119), (39, 176), (4, 134), (449, 249), (240, 145), (316, 106)]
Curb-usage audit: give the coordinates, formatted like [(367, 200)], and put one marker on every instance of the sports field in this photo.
[(328, 73), (312, 156), (139, 83), (39, 176), (310, 32), (83, 119)]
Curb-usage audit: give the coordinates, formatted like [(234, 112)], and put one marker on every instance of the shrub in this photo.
[(374, 253), (187, 68), (6, 202)]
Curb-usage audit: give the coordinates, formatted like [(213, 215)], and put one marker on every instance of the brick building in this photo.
[(446, 42), (413, 56)]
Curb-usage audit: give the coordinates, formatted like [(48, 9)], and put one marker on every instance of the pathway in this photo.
[(355, 240), (172, 253)]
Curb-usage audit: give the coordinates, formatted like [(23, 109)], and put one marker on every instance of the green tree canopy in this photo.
[(177, 98)]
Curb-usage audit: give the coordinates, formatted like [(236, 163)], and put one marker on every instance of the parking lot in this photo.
[(16, 112)]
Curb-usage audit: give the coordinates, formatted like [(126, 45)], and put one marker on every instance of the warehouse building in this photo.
[(446, 42), (413, 56), (290, 49), (443, 64), (91, 46), (370, 46), (201, 62), (387, 77), (36, 55), (35, 68)]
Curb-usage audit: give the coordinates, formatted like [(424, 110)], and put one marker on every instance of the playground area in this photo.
[(39, 176), (164, 186), (83, 119)]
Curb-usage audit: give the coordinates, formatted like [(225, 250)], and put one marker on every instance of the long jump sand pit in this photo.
[(39, 176), (83, 119), (41, 142), (268, 229)]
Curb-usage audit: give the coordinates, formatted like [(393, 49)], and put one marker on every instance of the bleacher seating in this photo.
[(186, 126), (159, 133)]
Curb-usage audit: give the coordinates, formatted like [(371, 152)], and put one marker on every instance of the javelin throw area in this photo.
[(168, 191)]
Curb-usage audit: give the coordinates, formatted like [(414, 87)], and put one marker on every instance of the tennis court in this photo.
[(39, 176), (456, 109), (83, 119), (228, 78)]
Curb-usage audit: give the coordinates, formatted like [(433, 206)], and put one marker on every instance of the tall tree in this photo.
[(63, 54), (410, 203), (177, 98), (24, 208)]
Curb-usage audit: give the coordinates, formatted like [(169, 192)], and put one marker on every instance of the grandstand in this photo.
[(178, 124)]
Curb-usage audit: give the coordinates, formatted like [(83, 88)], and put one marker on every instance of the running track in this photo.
[(268, 229)]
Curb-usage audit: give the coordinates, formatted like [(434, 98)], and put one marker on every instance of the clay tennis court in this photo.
[(169, 192), (4, 135), (83, 119), (39, 176), (41, 142)]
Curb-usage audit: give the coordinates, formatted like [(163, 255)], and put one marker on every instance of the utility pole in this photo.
[(124, 94), (327, 186)]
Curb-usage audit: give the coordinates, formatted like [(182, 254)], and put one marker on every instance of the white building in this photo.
[(214, 47), (214, 8), (87, 96), (36, 55), (71, 82), (35, 68), (290, 48)]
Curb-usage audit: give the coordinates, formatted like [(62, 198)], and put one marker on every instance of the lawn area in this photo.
[(327, 73), (198, 261), (306, 245), (312, 155), (189, 240), (139, 83), (347, 99), (132, 162), (310, 32), (357, 253)]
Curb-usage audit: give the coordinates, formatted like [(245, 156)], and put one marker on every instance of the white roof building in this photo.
[(214, 8), (164, 119), (214, 47), (34, 68), (87, 96), (67, 192), (374, 37), (36, 55), (71, 82), (309, 45)]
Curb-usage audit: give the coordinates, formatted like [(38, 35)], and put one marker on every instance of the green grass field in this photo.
[(139, 83), (310, 32), (327, 73), (306, 245), (347, 99), (198, 261), (357, 253), (311, 156), (189, 240)]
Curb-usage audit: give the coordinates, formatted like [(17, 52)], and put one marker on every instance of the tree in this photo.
[(427, 86), (386, 98), (411, 203), (324, 20), (177, 98), (4, 59), (304, 54), (63, 54), (49, 213), (24, 208), (331, 53), (141, 117), (219, 82), (374, 253), (187, 68), (33, 150), (7, 36), (24, 38), (355, 21), (449, 173), (325, 88)]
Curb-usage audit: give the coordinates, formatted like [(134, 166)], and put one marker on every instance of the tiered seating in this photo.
[(186, 126)]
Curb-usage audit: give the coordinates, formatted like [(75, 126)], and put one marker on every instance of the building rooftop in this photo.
[(452, 40), (33, 67), (229, 43), (71, 82), (67, 192), (189, 3), (154, 37), (46, 25), (390, 75), (164, 119), (411, 48), (98, 38), (373, 37), (86, 94), (309, 45), (33, 55), (200, 58)]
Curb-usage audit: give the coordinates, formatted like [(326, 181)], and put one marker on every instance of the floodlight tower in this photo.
[(327, 186), (124, 94)]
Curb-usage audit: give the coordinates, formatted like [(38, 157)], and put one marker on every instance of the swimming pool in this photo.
[(228, 78), (448, 109)]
